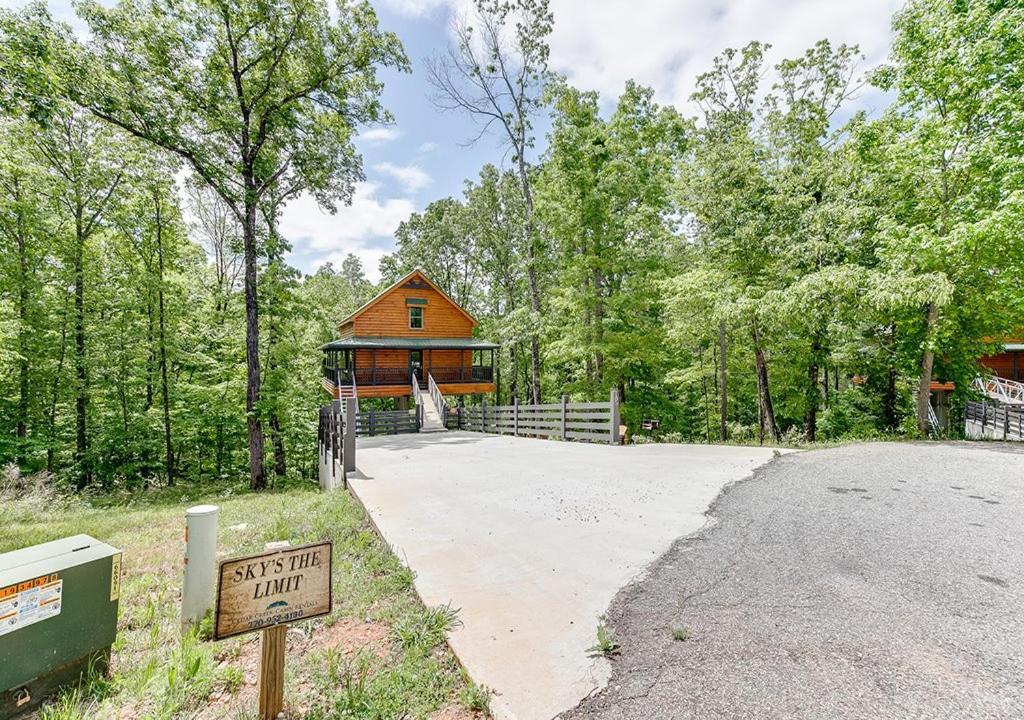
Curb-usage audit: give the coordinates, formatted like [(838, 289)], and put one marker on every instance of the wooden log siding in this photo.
[(389, 317), (387, 422), (591, 421)]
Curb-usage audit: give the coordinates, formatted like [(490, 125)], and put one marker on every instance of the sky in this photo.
[(426, 154)]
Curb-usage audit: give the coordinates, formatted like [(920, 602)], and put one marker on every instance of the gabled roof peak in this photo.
[(401, 282)]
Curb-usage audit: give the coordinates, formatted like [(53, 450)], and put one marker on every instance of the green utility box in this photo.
[(58, 617)]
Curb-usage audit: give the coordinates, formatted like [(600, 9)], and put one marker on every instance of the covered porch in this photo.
[(385, 367)]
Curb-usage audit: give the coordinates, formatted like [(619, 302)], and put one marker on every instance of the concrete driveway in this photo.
[(868, 582), (532, 539)]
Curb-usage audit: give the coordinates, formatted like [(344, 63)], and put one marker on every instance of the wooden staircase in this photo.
[(431, 416), (348, 392)]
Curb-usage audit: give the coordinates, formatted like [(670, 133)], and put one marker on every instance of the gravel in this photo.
[(868, 581)]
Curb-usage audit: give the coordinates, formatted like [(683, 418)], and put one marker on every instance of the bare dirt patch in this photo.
[(345, 635)]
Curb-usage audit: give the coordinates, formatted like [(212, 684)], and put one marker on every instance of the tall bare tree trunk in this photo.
[(51, 430), (161, 329), (707, 402), (889, 400), (811, 409), (277, 440), (723, 385), (927, 361), (598, 326), (23, 351), (513, 375), (767, 410), (813, 392), (531, 276), (81, 368), (151, 360), (257, 475)]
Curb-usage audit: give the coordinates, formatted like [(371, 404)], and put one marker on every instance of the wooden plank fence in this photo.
[(994, 421), (587, 421), (388, 422)]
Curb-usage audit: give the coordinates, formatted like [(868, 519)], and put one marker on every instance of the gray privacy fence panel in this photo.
[(590, 421), (387, 422), (994, 421), (336, 440)]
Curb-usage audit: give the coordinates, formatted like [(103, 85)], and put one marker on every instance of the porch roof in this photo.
[(408, 343)]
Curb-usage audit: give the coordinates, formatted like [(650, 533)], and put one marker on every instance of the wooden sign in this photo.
[(276, 587)]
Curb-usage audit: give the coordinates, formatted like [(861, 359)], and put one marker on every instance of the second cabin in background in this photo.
[(408, 334)]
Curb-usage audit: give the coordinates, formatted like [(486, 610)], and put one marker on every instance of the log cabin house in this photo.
[(1007, 365), (413, 329)]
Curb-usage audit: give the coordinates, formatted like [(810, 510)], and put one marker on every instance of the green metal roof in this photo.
[(409, 343)]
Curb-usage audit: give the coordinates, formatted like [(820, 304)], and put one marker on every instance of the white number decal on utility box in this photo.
[(29, 602)]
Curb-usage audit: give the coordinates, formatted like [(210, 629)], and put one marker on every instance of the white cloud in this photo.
[(415, 8), (665, 44), (353, 229), (380, 134), (411, 177), (370, 258), (428, 147)]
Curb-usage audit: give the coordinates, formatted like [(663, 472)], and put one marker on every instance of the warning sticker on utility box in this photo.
[(29, 602)]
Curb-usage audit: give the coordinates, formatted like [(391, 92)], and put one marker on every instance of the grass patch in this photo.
[(380, 654), (681, 634), (422, 631), (473, 697), (607, 644)]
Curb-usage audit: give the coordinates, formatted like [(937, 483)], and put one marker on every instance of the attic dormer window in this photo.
[(415, 318)]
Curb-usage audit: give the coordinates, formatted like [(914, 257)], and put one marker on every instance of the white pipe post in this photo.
[(199, 588)]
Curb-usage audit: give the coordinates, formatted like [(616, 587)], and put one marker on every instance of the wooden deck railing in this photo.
[(589, 421), (462, 374), (400, 375)]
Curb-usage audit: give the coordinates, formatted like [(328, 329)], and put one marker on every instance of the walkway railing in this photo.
[(993, 421), (438, 398), (336, 436), (589, 421), (1001, 389)]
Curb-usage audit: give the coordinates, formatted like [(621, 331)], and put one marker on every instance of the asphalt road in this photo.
[(869, 581)]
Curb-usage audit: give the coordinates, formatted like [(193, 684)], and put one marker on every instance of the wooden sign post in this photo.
[(265, 592)]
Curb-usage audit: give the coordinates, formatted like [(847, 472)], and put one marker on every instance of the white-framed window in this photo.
[(415, 318)]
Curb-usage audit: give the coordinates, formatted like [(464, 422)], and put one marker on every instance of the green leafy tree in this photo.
[(253, 96), (496, 73), (729, 194), (946, 162), (820, 277), (25, 226), (605, 198), (439, 242), (87, 165)]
